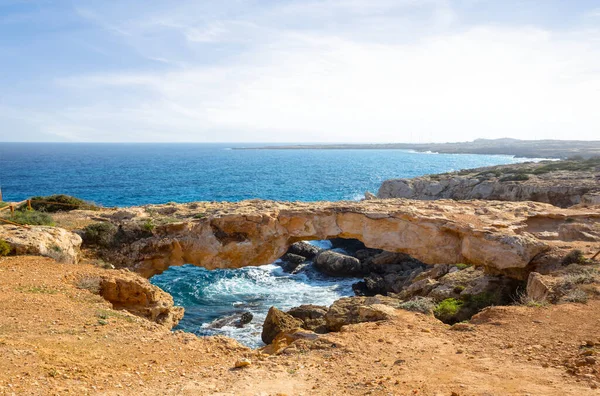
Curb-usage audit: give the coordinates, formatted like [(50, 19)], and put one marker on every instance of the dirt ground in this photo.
[(58, 339)]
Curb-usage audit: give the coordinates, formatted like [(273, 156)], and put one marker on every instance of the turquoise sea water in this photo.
[(136, 174)]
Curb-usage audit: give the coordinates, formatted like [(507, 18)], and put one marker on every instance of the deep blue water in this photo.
[(135, 174)]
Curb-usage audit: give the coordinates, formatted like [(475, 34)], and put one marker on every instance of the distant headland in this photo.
[(519, 148)]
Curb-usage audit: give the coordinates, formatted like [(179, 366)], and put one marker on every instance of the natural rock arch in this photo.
[(435, 233)]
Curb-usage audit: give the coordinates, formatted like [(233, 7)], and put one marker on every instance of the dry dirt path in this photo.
[(58, 339)]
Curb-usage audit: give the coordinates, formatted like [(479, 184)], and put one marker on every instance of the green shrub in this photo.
[(447, 309), (101, 234), (462, 266), (59, 203), (5, 248), (31, 217)]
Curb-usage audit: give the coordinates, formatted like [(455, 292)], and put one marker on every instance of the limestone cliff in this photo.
[(563, 184)]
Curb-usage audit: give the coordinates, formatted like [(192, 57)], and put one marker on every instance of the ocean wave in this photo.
[(212, 295)]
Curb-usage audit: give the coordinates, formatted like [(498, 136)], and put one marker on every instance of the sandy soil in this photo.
[(58, 339)]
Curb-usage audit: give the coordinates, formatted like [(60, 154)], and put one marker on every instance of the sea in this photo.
[(136, 174)]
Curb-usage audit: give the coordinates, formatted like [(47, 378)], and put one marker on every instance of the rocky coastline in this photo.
[(562, 183), (442, 266)]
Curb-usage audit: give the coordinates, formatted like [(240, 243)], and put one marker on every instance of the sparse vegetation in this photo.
[(515, 177), (100, 234), (462, 266), (37, 290), (575, 256), (579, 276), (419, 304), (58, 203), (5, 248), (576, 296), (148, 225), (31, 217), (104, 314), (524, 299), (90, 283), (568, 165)]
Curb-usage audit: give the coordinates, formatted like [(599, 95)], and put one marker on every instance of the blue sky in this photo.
[(299, 71)]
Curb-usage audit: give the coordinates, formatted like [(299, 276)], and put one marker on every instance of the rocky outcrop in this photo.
[(312, 317), (53, 242), (537, 288), (129, 291), (541, 182), (389, 272), (278, 322), (352, 310)]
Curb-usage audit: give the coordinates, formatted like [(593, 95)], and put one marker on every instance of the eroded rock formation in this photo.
[(53, 242), (501, 236), (129, 291)]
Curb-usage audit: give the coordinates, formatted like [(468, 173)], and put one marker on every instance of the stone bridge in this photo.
[(249, 233)]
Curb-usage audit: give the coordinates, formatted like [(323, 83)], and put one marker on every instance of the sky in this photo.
[(299, 70)]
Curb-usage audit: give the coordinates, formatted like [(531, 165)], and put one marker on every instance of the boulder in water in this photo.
[(304, 249), (337, 264), (290, 261)]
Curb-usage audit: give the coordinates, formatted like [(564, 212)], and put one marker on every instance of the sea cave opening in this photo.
[(235, 302)]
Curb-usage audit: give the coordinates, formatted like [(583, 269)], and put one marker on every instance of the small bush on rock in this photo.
[(101, 234), (5, 248), (419, 304), (90, 283), (447, 309), (59, 203)]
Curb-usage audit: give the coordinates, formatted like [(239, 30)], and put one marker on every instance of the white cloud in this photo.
[(435, 80)]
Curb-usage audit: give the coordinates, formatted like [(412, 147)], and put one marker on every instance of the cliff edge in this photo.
[(560, 183)]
